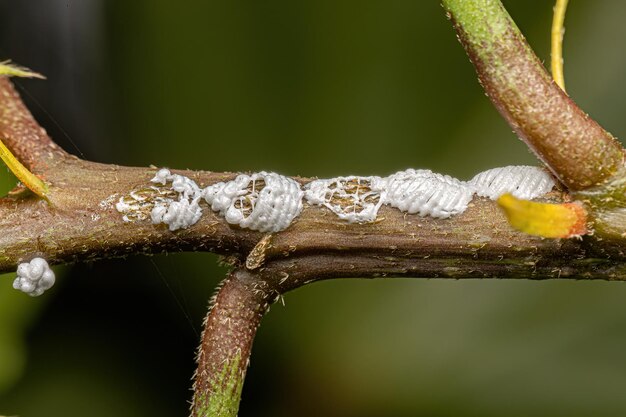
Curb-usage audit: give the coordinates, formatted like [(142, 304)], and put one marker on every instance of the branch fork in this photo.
[(80, 222)]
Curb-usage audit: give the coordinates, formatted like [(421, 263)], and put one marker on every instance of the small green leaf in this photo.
[(12, 70)]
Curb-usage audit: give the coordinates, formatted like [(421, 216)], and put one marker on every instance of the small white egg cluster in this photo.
[(354, 199), (182, 213), (177, 214), (263, 201), (427, 193), (34, 277), (524, 182)]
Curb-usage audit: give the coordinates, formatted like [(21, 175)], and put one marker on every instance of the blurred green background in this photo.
[(316, 88)]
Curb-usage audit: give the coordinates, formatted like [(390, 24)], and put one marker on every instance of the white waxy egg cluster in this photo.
[(34, 277), (263, 201)]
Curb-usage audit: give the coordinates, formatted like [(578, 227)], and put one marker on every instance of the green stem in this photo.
[(579, 152), (556, 43)]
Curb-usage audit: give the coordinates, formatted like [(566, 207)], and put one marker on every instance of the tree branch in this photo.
[(84, 224), (28, 141), (224, 353), (579, 152), (80, 222)]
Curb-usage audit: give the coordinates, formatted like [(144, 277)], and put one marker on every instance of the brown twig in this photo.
[(224, 353), (21, 133), (576, 148)]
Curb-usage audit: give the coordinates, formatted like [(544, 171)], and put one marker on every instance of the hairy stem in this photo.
[(579, 152), (224, 353), (21, 133)]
